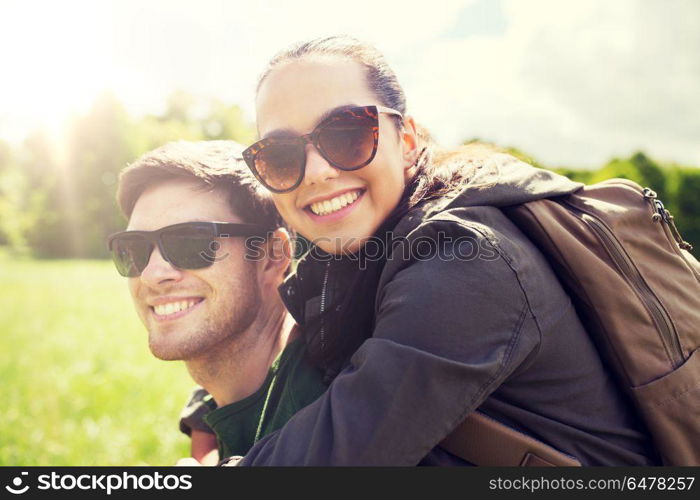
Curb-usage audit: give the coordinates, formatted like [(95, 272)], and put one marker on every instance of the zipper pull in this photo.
[(650, 196), (676, 234), (662, 214)]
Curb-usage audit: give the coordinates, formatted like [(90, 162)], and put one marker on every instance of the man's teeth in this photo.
[(334, 204), (173, 307)]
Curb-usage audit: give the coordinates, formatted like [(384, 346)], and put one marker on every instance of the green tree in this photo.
[(583, 176), (6, 163), (618, 168), (22, 190), (79, 208), (638, 168), (652, 174), (227, 122), (686, 206)]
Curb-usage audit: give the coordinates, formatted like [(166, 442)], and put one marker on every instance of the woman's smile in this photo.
[(336, 206)]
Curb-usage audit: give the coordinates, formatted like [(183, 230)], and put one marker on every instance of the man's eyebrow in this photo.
[(286, 132), (194, 219)]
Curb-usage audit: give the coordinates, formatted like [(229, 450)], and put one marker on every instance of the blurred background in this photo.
[(591, 89)]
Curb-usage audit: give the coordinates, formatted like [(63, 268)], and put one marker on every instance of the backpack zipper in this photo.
[(323, 304), (624, 263), (661, 214)]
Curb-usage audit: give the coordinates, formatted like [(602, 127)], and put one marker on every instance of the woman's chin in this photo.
[(342, 245)]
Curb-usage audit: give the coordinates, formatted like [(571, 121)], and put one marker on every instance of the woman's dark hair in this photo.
[(349, 321), (380, 77)]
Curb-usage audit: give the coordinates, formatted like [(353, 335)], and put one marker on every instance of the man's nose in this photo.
[(159, 271), (318, 170)]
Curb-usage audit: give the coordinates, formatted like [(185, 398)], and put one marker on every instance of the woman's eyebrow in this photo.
[(286, 132), (332, 111), (280, 133)]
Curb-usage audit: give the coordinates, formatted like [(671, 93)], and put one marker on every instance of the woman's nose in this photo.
[(318, 169)]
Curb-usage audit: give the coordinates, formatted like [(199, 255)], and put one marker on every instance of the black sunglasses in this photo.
[(347, 139), (189, 245)]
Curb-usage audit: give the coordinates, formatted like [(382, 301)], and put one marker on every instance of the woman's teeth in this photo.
[(173, 307), (327, 207)]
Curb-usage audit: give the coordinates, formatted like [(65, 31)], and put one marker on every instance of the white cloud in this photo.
[(570, 82), (573, 82)]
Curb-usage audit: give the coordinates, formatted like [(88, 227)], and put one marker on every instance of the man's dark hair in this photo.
[(211, 164)]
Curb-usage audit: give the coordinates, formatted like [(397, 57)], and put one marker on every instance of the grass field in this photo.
[(78, 383)]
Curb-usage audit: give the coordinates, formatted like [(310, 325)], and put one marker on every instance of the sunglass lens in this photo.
[(280, 165), (348, 140), (190, 248), (131, 255)]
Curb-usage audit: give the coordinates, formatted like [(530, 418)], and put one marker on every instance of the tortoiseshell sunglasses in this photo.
[(347, 140)]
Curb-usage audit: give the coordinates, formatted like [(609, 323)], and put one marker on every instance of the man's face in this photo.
[(190, 312)]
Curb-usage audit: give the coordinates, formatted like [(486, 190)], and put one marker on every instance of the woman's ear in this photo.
[(409, 145), (278, 256)]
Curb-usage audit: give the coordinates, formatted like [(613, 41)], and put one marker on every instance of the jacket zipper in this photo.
[(323, 304), (624, 263)]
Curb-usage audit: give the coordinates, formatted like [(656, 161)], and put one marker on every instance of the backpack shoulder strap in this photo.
[(481, 440)]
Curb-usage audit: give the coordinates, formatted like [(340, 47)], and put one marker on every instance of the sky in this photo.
[(571, 83)]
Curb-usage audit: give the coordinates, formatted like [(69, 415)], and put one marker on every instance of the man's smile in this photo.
[(169, 308)]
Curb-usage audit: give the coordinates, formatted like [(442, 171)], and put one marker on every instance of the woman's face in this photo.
[(292, 100)]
